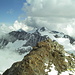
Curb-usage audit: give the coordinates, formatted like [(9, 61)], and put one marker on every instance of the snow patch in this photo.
[(63, 41), (17, 44), (46, 70), (66, 60), (53, 71), (46, 64), (8, 57), (73, 59), (67, 73), (66, 54)]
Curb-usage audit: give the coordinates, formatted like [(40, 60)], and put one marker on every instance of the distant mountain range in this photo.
[(30, 38)]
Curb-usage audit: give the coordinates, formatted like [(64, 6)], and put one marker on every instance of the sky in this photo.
[(52, 10), (56, 15), (10, 10)]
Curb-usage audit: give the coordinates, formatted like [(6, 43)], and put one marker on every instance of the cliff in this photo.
[(46, 57)]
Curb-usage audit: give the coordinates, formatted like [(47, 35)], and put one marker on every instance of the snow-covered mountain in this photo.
[(21, 39), (21, 43), (46, 58)]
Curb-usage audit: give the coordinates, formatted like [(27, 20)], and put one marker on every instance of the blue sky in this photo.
[(10, 10)]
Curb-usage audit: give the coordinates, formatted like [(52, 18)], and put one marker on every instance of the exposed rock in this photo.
[(23, 50), (70, 38), (3, 42), (43, 55), (43, 29), (31, 38), (62, 35), (55, 31), (56, 36)]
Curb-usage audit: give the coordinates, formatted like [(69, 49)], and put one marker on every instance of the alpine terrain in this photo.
[(41, 52)]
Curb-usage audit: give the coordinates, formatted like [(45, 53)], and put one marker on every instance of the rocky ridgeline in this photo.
[(40, 60), (31, 38)]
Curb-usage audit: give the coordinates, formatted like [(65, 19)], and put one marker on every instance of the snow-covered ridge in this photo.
[(19, 39), (35, 36)]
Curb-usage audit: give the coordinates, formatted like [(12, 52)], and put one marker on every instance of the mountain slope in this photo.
[(20, 40), (22, 35), (33, 37), (47, 58), (16, 44)]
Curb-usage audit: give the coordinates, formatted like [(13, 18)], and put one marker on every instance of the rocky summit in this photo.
[(47, 57)]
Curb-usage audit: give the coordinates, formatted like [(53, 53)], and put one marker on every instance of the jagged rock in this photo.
[(43, 29), (56, 36), (70, 38), (20, 35), (60, 34), (43, 56), (31, 38), (3, 42), (23, 50), (55, 31)]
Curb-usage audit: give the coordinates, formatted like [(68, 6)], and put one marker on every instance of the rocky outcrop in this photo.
[(40, 60), (43, 29)]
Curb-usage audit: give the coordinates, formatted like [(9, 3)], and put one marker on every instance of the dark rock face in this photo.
[(45, 52), (43, 29), (55, 31), (23, 50), (35, 38), (31, 38), (19, 35), (59, 35), (3, 42), (70, 38)]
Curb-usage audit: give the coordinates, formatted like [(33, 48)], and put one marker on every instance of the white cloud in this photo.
[(11, 11), (50, 8), (4, 29), (54, 14), (20, 25)]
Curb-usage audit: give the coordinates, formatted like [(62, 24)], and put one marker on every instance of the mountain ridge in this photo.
[(14, 42), (32, 38), (47, 57)]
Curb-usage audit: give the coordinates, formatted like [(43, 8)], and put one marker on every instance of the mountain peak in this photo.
[(21, 30), (43, 29)]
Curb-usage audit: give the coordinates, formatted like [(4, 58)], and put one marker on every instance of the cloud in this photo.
[(54, 14), (50, 8), (4, 29), (20, 25), (11, 11), (53, 11), (29, 23)]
